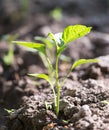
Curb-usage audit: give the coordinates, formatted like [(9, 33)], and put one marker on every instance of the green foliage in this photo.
[(42, 76), (82, 61), (38, 46), (59, 41), (56, 14), (72, 33)]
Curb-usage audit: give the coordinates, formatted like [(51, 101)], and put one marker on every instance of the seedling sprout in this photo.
[(60, 42)]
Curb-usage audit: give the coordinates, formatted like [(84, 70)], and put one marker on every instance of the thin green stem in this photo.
[(56, 69), (58, 100), (57, 86)]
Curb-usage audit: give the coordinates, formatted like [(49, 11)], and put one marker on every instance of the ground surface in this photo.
[(82, 95)]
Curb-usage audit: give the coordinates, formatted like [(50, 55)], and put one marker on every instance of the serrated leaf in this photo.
[(72, 33), (83, 61), (38, 46), (42, 76)]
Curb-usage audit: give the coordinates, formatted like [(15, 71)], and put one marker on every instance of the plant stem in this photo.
[(57, 86), (58, 100), (57, 77)]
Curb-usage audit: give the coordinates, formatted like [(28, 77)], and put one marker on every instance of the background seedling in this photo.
[(56, 14), (8, 58), (24, 7), (59, 41)]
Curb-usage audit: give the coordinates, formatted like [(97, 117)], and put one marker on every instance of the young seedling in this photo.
[(8, 58), (60, 42), (56, 14)]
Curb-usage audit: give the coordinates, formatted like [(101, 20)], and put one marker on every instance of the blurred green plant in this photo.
[(9, 57), (56, 14), (59, 41), (24, 7)]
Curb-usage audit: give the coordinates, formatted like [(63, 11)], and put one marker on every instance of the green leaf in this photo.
[(38, 46), (72, 33), (83, 61), (42, 76)]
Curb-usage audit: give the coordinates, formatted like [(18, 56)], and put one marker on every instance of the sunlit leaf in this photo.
[(83, 61), (42, 76), (72, 33), (38, 46)]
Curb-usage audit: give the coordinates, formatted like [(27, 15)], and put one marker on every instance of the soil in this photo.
[(85, 94)]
